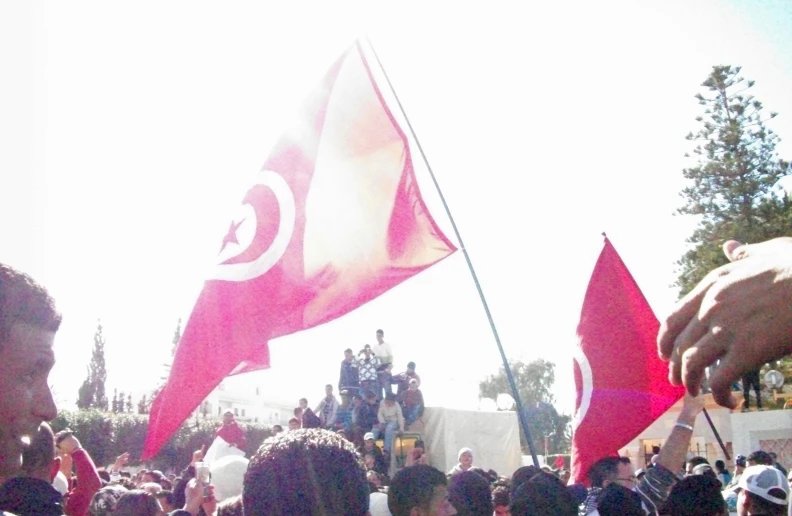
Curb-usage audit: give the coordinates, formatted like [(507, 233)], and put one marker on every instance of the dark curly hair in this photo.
[(22, 300), (308, 472)]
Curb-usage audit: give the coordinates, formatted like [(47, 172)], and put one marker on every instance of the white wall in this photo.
[(751, 427)]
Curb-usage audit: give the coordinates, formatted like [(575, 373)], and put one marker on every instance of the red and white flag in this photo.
[(622, 385), (333, 220)]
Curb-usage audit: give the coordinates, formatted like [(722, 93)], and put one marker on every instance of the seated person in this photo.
[(370, 448), (412, 403)]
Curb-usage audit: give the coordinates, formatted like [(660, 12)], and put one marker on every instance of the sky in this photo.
[(132, 130)]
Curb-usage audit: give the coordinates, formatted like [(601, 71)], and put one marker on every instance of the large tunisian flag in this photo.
[(333, 220), (622, 385)]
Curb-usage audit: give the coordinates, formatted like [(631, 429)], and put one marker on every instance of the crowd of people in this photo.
[(375, 403), (739, 315)]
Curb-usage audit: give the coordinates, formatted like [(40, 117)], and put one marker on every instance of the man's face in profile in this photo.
[(26, 399)]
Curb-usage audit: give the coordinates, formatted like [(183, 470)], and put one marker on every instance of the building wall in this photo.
[(703, 441), (248, 403), (770, 431)]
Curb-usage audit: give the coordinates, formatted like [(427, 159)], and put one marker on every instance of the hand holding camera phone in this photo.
[(204, 476)]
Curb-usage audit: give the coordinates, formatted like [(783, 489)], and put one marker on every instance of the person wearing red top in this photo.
[(231, 432), (88, 480)]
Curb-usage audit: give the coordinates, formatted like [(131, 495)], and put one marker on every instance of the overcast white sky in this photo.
[(130, 130)]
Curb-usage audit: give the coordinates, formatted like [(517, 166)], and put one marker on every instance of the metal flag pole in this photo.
[(520, 410)]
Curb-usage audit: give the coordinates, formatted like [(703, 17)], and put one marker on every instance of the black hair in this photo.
[(39, 454), (521, 476), (543, 495), (22, 300), (605, 469), (696, 495), (470, 494), (617, 500), (136, 503), (500, 497), (308, 472), (413, 487), (761, 457)]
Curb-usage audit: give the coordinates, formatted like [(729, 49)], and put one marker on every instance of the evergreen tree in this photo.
[(91, 393), (733, 186), (114, 403), (129, 406), (121, 400), (143, 405)]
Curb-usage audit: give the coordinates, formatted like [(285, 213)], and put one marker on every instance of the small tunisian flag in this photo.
[(333, 220), (622, 385)]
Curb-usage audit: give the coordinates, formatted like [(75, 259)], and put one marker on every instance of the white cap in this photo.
[(766, 482)]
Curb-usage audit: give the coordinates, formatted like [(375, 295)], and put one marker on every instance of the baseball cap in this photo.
[(766, 482), (740, 460), (368, 436)]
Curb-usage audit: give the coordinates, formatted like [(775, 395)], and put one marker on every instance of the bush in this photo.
[(106, 436)]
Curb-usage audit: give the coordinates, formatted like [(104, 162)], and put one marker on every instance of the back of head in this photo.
[(619, 501), (308, 472), (137, 503), (470, 494), (696, 495), (104, 501), (22, 300), (38, 456), (523, 475), (543, 495), (705, 470), (500, 497), (413, 487), (760, 457), (695, 461)]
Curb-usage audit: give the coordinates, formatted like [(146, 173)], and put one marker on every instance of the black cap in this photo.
[(410, 365), (390, 396)]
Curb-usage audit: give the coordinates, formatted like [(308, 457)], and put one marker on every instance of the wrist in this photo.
[(687, 418)]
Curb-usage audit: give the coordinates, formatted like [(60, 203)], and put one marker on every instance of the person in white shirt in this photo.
[(382, 349)]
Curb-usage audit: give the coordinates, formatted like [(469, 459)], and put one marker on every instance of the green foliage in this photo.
[(534, 383), (107, 435), (733, 185), (91, 393)]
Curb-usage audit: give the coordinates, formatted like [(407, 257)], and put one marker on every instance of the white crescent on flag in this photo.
[(271, 255)]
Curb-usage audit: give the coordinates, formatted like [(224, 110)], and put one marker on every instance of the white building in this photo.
[(247, 400), (741, 432)]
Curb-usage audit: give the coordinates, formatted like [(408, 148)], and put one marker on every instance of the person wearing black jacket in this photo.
[(349, 379)]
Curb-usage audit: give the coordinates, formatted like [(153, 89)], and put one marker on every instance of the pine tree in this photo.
[(143, 406), (129, 406), (734, 186), (91, 393), (114, 403)]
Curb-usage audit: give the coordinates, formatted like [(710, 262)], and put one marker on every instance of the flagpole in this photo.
[(520, 410)]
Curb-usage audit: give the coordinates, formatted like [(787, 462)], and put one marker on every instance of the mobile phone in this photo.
[(204, 476)]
